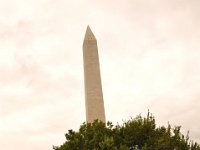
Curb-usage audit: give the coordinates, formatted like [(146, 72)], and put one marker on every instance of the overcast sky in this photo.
[(149, 55)]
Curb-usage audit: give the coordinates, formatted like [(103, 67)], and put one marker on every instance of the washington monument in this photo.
[(93, 90)]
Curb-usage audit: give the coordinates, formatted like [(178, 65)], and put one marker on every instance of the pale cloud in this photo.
[(149, 56)]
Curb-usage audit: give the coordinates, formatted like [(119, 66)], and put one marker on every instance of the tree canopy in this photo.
[(138, 133)]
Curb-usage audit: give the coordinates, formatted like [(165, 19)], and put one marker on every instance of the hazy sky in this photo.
[(149, 56)]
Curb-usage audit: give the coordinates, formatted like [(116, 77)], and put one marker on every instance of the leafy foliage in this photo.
[(136, 134)]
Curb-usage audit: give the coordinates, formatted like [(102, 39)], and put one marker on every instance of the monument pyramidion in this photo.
[(93, 89)]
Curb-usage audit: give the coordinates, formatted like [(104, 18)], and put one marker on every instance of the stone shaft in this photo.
[(93, 88)]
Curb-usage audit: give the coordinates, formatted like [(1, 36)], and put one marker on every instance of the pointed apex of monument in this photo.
[(89, 34)]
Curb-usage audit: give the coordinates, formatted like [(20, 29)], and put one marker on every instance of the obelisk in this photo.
[(93, 89)]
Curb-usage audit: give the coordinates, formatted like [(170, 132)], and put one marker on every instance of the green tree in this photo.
[(138, 133)]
